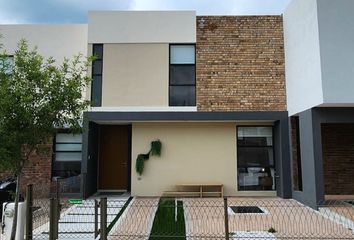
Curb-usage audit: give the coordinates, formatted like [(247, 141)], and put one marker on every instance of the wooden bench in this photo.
[(197, 190)]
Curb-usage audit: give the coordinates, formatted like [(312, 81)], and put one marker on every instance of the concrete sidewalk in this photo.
[(77, 222)]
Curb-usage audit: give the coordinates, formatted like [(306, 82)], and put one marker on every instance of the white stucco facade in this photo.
[(336, 31), (142, 27), (319, 59), (302, 56)]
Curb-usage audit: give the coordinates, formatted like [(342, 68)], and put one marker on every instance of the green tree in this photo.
[(37, 96)]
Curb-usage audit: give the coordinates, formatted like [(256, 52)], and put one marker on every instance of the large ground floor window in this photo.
[(67, 151), (255, 158)]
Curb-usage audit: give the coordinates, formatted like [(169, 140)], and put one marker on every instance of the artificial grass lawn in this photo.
[(166, 225)]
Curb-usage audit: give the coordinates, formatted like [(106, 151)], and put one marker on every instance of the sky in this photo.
[(75, 11)]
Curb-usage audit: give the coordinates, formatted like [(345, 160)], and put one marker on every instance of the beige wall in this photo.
[(135, 75), (53, 40), (142, 27), (191, 153)]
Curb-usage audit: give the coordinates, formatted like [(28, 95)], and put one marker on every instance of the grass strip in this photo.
[(110, 226), (166, 225)]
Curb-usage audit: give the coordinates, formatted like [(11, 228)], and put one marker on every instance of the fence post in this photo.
[(53, 219), (226, 215), (103, 230), (57, 216), (96, 218), (29, 212)]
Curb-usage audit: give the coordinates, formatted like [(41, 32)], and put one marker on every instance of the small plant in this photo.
[(156, 148), (140, 162), (272, 230), (154, 151)]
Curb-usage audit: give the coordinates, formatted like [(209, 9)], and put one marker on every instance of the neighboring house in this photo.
[(319, 61), (212, 90), (57, 41)]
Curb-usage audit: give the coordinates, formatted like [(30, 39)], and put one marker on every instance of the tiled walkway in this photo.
[(137, 220), (77, 222), (287, 218), (204, 218)]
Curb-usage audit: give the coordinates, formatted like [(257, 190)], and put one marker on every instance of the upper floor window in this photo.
[(182, 75), (97, 67)]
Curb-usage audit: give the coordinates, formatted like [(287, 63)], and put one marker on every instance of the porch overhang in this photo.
[(93, 119), (184, 116)]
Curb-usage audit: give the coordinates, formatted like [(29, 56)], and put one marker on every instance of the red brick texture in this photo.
[(240, 63), (37, 171), (338, 158), (295, 153)]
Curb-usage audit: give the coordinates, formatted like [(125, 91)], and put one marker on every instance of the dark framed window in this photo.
[(67, 154), (255, 158), (182, 89), (97, 69), (7, 64)]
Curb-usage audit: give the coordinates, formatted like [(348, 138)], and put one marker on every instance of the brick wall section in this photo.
[(294, 122), (338, 158), (240, 63), (38, 171)]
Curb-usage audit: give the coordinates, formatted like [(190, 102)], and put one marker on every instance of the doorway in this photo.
[(114, 158)]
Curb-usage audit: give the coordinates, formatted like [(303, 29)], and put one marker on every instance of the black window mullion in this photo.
[(182, 64), (246, 166), (183, 85), (66, 151), (254, 146)]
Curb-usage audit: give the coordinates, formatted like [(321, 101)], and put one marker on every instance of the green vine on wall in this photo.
[(155, 150)]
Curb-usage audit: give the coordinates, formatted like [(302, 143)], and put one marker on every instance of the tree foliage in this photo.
[(37, 96)]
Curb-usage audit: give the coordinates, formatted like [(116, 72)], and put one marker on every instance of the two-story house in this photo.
[(261, 104), (211, 89)]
